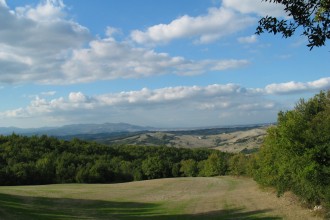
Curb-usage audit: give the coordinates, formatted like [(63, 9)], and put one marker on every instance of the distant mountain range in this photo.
[(76, 129)]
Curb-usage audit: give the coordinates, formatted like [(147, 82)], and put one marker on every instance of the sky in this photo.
[(160, 63)]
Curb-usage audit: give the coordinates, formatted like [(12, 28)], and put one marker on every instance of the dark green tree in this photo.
[(189, 168), (153, 167), (312, 17), (296, 152), (45, 169), (216, 164), (238, 164), (101, 172)]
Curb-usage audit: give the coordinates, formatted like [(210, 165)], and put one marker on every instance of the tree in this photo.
[(312, 16), (101, 172), (153, 167), (238, 164), (45, 169), (189, 168), (215, 165), (296, 153)]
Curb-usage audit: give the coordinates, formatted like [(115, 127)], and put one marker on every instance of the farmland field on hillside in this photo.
[(234, 139)]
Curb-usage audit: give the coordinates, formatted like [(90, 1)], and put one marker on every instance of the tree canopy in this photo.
[(312, 16), (296, 152), (44, 160)]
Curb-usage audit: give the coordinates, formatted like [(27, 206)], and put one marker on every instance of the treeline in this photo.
[(44, 160)]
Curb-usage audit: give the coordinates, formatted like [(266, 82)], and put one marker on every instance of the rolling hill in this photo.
[(246, 139)]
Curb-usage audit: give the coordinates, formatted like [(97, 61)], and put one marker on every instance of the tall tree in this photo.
[(296, 153), (312, 16)]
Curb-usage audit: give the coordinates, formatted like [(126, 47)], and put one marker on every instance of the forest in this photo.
[(44, 160)]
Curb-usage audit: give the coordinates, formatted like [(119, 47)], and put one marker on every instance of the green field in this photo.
[(176, 198)]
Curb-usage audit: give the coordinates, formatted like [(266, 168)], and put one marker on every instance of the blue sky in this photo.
[(161, 63)]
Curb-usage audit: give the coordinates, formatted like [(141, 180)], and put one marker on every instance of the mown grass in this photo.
[(21, 207), (116, 201)]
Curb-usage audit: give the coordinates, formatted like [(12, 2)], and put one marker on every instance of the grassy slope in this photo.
[(180, 198)]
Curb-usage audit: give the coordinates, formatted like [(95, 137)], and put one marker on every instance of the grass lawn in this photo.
[(176, 198)]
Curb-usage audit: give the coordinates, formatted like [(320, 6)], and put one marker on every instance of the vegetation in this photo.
[(239, 164), (45, 160), (312, 16), (296, 153), (294, 157), (165, 199)]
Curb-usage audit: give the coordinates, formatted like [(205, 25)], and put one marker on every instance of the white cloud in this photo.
[(108, 59), (248, 40), (259, 7), (193, 95), (164, 106), (75, 97), (215, 104), (110, 31), (3, 3), (35, 41), (294, 87), (19, 112), (42, 45), (48, 10), (217, 23), (232, 16)]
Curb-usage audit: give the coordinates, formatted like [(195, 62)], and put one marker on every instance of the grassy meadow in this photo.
[(174, 198)]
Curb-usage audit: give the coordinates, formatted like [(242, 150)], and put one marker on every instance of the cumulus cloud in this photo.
[(42, 44), (176, 106), (76, 97), (109, 59), (261, 8), (295, 87), (48, 10), (35, 41), (110, 31), (248, 40), (217, 23), (231, 17), (165, 105), (195, 95)]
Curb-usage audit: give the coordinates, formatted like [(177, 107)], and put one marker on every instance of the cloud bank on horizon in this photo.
[(43, 47)]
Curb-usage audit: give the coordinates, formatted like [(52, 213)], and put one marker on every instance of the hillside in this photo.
[(242, 139), (175, 198)]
